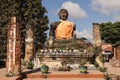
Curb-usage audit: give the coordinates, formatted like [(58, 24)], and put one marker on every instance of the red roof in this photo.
[(106, 47)]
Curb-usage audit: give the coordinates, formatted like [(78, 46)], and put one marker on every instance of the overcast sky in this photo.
[(84, 12)]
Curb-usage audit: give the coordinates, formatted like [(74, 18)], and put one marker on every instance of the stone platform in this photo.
[(35, 74), (65, 74)]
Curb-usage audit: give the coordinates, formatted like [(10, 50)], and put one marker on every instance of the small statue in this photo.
[(62, 29)]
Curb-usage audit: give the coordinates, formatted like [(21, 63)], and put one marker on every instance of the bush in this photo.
[(82, 62), (30, 65), (102, 69), (44, 68), (107, 76), (96, 64), (83, 69), (65, 68)]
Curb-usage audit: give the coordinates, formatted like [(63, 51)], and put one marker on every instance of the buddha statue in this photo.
[(62, 29)]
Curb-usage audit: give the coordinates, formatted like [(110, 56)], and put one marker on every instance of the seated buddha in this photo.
[(62, 29)]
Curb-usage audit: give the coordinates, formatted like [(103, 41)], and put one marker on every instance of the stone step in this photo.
[(66, 75)]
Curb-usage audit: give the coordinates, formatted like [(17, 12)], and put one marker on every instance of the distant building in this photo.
[(107, 51)]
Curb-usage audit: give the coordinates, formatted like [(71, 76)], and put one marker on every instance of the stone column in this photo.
[(29, 43), (97, 43), (117, 53), (96, 34), (13, 61)]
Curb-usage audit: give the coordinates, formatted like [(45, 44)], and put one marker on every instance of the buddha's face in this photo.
[(63, 14)]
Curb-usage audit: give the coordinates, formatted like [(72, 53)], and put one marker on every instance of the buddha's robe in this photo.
[(64, 30)]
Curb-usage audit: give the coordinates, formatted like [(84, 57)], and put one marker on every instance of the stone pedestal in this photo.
[(13, 61)]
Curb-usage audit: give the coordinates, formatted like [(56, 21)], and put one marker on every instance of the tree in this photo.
[(26, 11), (117, 25), (110, 33)]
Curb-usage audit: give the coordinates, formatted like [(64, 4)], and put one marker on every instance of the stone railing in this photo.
[(63, 54)]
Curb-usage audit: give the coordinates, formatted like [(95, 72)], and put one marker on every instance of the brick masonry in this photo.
[(13, 62), (96, 34)]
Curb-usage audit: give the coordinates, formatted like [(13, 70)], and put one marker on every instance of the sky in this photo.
[(84, 12)]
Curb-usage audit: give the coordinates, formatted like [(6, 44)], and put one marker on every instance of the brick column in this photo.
[(13, 62), (96, 34), (117, 53), (97, 43)]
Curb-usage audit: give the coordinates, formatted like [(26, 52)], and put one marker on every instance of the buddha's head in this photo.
[(63, 14)]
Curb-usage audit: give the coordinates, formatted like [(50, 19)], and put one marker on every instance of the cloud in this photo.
[(107, 7), (87, 33), (75, 11), (116, 17)]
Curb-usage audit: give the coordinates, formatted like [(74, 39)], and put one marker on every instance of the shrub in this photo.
[(30, 65), (96, 64), (82, 62), (44, 68), (102, 69)]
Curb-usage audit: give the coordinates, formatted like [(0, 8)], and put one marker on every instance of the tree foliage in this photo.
[(26, 11), (110, 33)]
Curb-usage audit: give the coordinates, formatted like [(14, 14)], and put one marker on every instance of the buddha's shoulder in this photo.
[(68, 22)]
